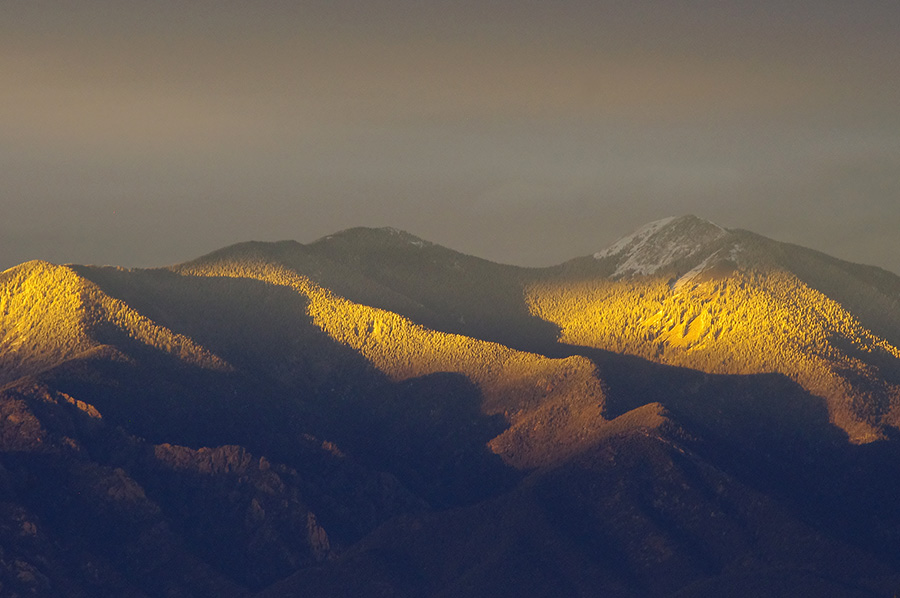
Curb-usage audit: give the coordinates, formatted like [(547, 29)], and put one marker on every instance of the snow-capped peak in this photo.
[(634, 239), (658, 244)]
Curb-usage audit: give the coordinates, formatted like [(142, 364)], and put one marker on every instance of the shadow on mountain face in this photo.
[(639, 514), (93, 533), (870, 293), (462, 294), (438, 447), (261, 329), (755, 408), (124, 517), (89, 527), (430, 432), (775, 436), (431, 285), (398, 449)]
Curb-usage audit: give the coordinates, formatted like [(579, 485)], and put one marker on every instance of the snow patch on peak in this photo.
[(636, 238), (658, 244)]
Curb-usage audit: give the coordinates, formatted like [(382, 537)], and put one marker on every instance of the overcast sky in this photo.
[(149, 133)]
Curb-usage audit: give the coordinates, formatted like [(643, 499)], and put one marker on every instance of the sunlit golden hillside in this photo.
[(560, 401), (720, 302), (50, 314)]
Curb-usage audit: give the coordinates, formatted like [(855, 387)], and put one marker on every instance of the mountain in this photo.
[(687, 292), (693, 411)]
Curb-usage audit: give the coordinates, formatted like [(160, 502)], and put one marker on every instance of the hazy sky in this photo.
[(149, 133)]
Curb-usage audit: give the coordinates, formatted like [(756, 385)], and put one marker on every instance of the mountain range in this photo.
[(694, 411)]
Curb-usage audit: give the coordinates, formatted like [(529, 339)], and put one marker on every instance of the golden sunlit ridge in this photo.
[(748, 322), (561, 399), (49, 314)]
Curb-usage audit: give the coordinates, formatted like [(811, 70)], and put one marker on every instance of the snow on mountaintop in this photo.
[(655, 245)]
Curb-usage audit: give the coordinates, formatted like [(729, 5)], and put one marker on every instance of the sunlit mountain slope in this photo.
[(688, 293), (49, 314), (560, 397)]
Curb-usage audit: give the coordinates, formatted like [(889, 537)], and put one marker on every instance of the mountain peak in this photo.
[(367, 236), (659, 243)]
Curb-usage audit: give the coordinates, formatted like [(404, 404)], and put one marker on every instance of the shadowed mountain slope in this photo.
[(640, 514)]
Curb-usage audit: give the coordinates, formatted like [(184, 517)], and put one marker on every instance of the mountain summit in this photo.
[(694, 411), (686, 292), (660, 244)]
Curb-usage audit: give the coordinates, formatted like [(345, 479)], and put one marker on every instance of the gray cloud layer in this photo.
[(522, 132)]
